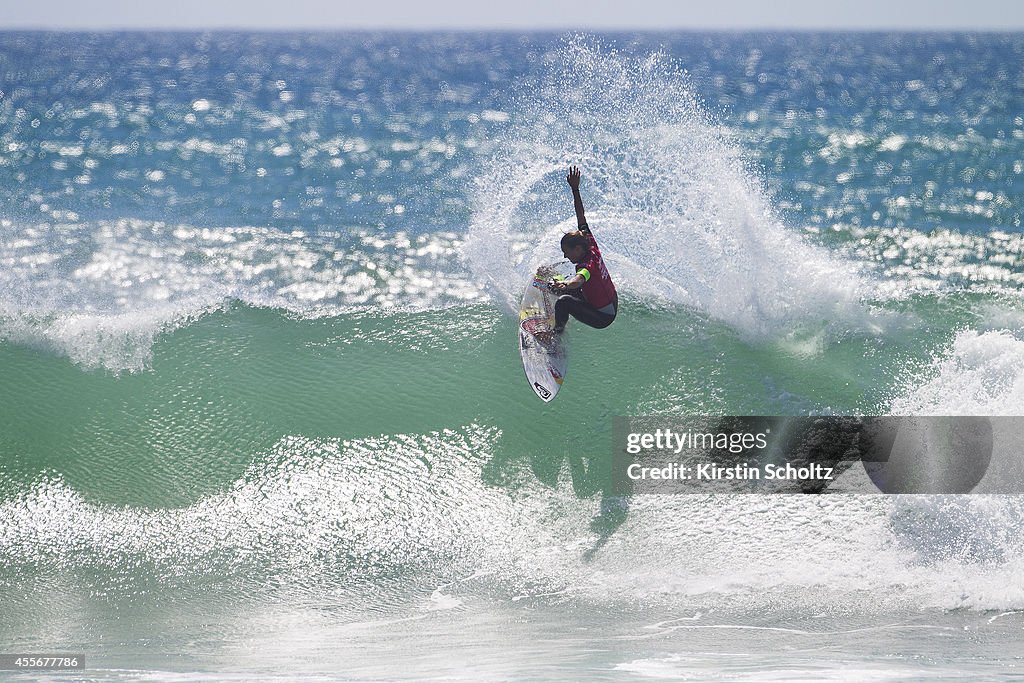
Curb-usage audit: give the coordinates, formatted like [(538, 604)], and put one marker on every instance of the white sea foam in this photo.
[(981, 373), (404, 499), (334, 517)]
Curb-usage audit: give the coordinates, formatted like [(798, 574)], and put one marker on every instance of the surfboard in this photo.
[(543, 351)]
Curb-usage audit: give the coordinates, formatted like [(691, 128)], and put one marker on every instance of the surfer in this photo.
[(589, 295)]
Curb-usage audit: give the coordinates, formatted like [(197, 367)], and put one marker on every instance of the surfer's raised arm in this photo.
[(574, 182)]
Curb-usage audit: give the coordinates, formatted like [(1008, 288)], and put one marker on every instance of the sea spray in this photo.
[(672, 199)]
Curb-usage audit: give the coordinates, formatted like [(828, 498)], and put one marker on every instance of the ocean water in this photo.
[(261, 411)]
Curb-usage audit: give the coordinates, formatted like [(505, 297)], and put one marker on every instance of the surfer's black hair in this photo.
[(576, 238)]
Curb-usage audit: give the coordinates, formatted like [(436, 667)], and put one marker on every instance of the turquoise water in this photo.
[(261, 413)]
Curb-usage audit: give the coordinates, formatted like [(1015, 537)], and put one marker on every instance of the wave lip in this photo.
[(102, 293)]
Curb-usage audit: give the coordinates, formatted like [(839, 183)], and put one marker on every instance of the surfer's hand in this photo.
[(557, 286), (573, 178)]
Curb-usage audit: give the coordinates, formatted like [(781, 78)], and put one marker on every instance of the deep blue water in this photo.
[(347, 126)]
